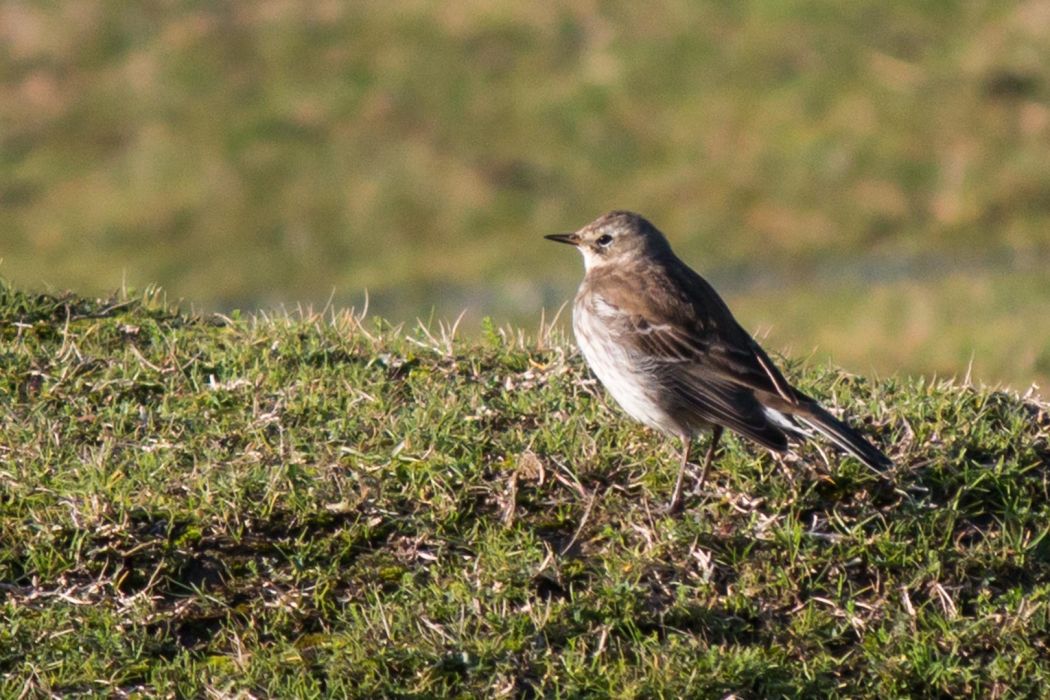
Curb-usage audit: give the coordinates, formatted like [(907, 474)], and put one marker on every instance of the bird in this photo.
[(667, 348)]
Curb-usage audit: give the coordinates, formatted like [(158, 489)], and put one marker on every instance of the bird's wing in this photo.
[(714, 377), (731, 381), (683, 322), (705, 379)]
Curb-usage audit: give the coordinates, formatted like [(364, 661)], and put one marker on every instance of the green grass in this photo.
[(316, 504), (248, 154)]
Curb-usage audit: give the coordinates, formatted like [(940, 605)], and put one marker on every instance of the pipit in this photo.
[(665, 345)]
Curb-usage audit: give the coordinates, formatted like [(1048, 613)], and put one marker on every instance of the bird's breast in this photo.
[(617, 366)]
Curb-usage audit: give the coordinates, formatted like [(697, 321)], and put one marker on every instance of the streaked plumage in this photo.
[(668, 349)]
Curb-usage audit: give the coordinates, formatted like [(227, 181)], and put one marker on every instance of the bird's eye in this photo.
[(604, 240)]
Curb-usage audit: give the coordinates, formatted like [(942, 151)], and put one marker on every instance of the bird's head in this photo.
[(617, 238)]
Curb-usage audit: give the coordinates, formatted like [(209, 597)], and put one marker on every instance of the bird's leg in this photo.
[(676, 496), (716, 435)]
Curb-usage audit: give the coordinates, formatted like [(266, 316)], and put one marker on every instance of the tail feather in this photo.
[(842, 435)]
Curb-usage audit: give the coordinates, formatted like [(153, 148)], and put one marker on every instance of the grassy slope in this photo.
[(313, 504)]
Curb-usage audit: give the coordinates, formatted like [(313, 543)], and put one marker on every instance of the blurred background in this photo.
[(866, 181)]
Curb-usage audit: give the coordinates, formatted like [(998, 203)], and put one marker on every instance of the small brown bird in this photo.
[(668, 349)]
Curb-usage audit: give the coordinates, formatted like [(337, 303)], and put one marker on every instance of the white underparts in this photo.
[(621, 374)]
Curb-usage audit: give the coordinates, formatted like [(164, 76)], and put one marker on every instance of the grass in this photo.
[(316, 504), (246, 154)]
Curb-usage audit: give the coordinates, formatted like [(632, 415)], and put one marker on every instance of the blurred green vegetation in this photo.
[(865, 179)]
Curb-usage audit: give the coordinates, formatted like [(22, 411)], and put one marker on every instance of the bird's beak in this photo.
[(570, 238)]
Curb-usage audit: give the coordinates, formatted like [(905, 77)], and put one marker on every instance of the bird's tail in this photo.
[(848, 439)]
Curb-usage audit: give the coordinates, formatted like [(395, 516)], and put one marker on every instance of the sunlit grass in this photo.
[(318, 504)]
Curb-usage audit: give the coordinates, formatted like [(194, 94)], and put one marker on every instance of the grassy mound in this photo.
[(316, 504)]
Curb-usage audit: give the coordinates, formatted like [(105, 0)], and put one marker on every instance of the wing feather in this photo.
[(711, 382)]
